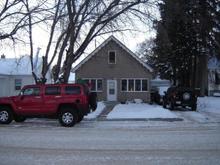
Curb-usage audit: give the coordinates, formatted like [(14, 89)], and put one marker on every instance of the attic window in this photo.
[(111, 57)]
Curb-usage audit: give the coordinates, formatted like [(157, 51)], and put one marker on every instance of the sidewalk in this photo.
[(109, 106)]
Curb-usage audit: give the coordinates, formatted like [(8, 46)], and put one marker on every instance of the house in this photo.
[(115, 73), (15, 73), (214, 77)]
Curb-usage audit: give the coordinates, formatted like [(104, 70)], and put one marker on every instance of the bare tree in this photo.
[(86, 20), (14, 16), (17, 17), (72, 25)]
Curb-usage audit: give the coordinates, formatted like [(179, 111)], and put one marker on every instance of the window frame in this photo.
[(96, 83), (20, 83), (134, 86), (109, 57)]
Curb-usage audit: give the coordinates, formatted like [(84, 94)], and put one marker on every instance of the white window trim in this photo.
[(115, 56), (96, 83), (135, 84)]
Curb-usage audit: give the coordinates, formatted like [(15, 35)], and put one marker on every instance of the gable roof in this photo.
[(112, 38)]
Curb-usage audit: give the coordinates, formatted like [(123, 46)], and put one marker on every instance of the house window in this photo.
[(18, 84), (124, 85), (137, 85), (112, 57), (95, 84), (134, 85), (99, 85), (130, 85), (144, 85)]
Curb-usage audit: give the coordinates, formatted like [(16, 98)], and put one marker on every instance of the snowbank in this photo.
[(100, 108), (209, 104), (139, 111)]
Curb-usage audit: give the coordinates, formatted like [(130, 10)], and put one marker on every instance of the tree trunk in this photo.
[(202, 75)]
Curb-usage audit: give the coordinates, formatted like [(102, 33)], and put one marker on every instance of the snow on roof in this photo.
[(16, 66), (112, 38)]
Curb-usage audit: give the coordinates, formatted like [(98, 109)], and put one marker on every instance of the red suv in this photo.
[(67, 102)]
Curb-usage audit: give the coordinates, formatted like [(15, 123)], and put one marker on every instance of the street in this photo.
[(43, 141)]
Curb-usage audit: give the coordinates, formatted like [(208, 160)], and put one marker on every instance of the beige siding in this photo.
[(126, 67)]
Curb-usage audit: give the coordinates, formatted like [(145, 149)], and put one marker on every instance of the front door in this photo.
[(111, 90)]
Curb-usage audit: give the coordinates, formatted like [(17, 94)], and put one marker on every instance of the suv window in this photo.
[(33, 91), (72, 90), (55, 90)]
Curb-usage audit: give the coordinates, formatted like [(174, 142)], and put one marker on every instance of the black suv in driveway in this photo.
[(180, 96)]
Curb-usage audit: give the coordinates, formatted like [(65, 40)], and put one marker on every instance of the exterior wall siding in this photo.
[(7, 84), (126, 67)]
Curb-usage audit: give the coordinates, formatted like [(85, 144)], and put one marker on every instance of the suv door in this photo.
[(52, 98), (30, 101)]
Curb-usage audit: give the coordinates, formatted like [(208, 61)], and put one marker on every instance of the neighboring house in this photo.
[(115, 73), (15, 73), (214, 77), (160, 85)]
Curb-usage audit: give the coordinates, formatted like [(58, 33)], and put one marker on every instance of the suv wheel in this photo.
[(68, 117), (5, 115)]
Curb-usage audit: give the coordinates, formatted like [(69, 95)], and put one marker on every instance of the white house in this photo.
[(16, 72)]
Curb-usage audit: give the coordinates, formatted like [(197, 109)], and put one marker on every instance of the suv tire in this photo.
[(6, 116), (194, 106), (171, 105), (164, 104), (67, 117)]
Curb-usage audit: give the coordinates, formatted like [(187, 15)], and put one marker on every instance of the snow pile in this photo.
[(98, 111), (209, 104), (139, 111)]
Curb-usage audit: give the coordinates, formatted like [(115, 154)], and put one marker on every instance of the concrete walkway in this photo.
[(109, 107)]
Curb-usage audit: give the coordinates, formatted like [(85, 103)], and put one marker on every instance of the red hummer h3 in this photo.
[(67, 102)]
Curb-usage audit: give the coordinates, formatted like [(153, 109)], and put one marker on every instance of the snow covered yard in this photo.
[(209, 104), (140, 111), (97, 112)]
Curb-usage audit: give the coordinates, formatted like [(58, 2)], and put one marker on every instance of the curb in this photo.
[(143, 119)]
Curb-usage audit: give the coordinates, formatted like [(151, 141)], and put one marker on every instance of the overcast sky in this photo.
[(40, 39)]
